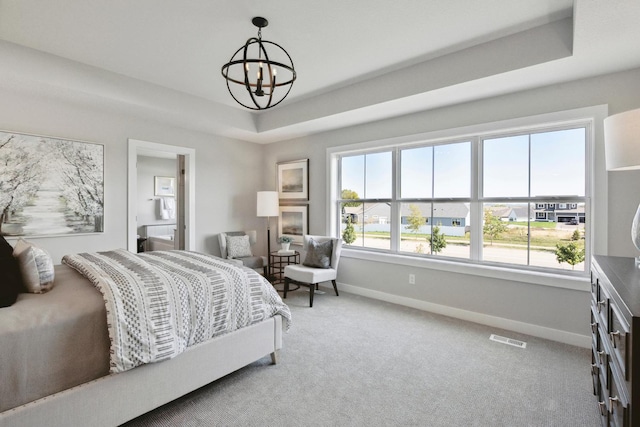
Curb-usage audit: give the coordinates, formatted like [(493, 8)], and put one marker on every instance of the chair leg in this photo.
[(335, 287), (312, 289), (286, 286)]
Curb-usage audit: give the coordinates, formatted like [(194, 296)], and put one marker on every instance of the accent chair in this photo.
[(315, 272)]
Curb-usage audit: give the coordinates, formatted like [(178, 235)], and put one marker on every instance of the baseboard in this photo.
[(484, 319)]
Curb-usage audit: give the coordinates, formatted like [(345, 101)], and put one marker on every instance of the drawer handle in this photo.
[(611, 400), (594, 327), (594, 368), (603, 408), (601, 302), (600, 354)]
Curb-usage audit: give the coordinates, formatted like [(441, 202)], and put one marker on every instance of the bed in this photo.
[(57, 349)]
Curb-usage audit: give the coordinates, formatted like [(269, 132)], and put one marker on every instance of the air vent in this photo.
[(508, 341)]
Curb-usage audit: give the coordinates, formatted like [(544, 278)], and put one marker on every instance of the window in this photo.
[(366, 184), (505, 199)]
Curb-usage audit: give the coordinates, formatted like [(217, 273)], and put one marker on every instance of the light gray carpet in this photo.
[(353, 361)]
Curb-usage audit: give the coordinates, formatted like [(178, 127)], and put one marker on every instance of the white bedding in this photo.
[(159, 303)]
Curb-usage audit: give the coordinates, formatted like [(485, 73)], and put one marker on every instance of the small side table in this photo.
[(278, 263)]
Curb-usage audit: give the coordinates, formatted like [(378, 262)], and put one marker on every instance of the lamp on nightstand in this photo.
[(268, 206), (622, 152)]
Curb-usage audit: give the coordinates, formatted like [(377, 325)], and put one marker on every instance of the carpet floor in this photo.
[(354, 361)]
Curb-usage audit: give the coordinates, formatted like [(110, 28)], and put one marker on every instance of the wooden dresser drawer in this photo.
[(618, 339), (617, 403)]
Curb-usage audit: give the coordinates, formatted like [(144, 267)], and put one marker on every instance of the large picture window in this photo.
[(516, 199)]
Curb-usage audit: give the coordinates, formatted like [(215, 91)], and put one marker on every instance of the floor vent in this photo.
[(508, 341)]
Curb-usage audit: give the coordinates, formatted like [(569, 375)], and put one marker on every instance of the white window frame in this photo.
[(591, 117)]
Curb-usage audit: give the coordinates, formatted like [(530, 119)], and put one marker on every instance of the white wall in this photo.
[(228, 172), (554, 312)]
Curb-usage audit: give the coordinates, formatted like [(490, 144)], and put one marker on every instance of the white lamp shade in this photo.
[(622, 141), (267, 204)]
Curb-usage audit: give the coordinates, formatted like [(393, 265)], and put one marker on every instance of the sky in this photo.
[(554, 161)]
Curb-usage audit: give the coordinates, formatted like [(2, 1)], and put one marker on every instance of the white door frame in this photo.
[(135, 147)]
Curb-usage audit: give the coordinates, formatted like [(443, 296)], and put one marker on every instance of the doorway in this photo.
[(185, 173)]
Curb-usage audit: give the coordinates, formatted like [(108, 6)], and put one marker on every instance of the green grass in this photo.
[(543, 236)]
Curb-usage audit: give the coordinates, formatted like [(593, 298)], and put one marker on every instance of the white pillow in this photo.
[(238, 246), (36, 267)]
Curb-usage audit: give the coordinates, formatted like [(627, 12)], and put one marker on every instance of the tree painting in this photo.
[(50, 186)]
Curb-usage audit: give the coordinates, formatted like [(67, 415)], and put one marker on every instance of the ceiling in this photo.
[(356, 60)]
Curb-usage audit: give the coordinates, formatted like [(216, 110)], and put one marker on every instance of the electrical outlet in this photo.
[(412, 279)]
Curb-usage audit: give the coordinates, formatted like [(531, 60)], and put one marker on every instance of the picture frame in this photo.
[(293, 221), (50, 186), (165, 186), (293, 180)]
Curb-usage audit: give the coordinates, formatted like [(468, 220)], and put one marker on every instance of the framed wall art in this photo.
[(293, 221), (165, 186), (293, 180), (50, 186)]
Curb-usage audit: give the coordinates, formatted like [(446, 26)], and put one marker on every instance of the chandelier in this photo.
[(256, 79)]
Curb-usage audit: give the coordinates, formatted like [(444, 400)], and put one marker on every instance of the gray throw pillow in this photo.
[(36, 267), (319, 254), (238, 247)]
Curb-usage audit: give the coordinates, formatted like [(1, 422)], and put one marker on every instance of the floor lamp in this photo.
[(268, 206)]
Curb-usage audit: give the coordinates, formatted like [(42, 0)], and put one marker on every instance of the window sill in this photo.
[(576, 283)]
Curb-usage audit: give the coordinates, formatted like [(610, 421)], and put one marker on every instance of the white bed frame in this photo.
[(117, 398)]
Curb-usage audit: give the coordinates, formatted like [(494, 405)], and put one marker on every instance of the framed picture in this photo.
[(50, 186), (293, 180), (293, 222), (165, 186)]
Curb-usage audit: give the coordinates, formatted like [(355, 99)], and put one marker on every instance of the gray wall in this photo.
[(543, 306)]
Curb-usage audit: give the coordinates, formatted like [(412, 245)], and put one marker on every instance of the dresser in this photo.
[(615, 327)]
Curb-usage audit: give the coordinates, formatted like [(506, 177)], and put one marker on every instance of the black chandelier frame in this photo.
[(266, 68)]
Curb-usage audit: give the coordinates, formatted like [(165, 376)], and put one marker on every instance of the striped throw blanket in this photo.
[(159, 303)]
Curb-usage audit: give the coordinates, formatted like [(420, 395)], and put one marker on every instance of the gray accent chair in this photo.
[(255, 262), (311, 276)]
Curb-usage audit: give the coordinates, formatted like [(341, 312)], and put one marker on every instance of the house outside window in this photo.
[(425, 192)]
